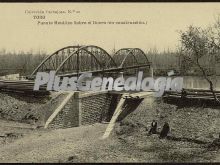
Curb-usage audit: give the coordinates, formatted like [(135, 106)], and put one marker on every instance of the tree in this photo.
[(197, 43)]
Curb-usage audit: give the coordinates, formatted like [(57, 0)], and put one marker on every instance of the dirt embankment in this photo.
[(18, 107), (191, 122), (192, 131), (26, 108)]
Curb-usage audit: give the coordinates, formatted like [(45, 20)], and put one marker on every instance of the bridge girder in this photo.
[(78, 59), (126, 56)]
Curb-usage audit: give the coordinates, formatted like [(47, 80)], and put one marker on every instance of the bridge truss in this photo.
[(74, 60)]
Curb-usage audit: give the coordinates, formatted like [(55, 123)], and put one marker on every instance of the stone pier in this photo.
[(85, 108)]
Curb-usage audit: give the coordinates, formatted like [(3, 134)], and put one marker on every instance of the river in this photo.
[(200, 82)]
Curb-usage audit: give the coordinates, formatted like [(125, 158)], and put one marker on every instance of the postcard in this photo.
[(109, 82)]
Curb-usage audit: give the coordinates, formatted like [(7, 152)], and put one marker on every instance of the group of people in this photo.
[(163, 133)]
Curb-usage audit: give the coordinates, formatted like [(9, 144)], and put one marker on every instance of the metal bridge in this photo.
[(74, 60)]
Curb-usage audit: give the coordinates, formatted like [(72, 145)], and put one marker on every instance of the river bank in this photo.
[(193, 130)]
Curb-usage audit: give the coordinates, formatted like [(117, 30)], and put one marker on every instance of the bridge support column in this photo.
[(151, 71), (77, 106), (121, 74)]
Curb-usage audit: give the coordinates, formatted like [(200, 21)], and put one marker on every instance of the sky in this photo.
[(20, 32)]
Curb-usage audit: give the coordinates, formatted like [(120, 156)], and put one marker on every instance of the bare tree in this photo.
[(197, 43)]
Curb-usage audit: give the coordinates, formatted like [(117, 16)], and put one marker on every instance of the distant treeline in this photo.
[(162, 62), (21, 62)]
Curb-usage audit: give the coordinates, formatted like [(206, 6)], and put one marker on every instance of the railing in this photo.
[(192, 94)]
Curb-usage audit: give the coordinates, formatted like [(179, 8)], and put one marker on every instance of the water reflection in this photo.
[(200, 82)]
